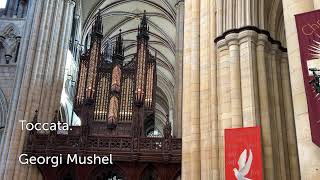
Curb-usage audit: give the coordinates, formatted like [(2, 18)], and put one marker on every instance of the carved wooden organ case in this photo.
[(115, 101), (116, 98)]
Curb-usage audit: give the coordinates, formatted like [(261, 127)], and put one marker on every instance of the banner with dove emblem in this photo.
[(308, 27), (243, 155)]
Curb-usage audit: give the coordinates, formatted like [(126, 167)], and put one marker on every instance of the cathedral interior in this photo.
[(155, 83)]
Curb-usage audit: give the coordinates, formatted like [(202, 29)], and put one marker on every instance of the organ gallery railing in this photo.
[(122, 148)]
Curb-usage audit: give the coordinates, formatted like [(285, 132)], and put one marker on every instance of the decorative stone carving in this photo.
[(10, 43)]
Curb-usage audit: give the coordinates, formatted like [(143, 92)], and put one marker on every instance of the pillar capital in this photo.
[(232, 39), (222, 45), (248, 35), (263, 38), (274, 48)]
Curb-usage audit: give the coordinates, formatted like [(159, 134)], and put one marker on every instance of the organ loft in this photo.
[(115, 101)]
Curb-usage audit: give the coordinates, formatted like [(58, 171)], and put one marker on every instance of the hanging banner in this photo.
[(308, 26), (243, 155)]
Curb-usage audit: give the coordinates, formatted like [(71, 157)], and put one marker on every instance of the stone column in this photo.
[(179, 69), (234, 55), (200, 126), (253, 87), (289, 116), (58, 77), (213, 92), (265, 110), (35, 79), (9, 160), (206, 49), (51, 57), (224, 99), (316, 4), (34, 11), (195, 91), (249, 81), (219, 17), (308, 152), (186, 136), (277, 112)]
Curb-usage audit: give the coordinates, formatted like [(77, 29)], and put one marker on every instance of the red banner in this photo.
[(243, 156), (308, 26)]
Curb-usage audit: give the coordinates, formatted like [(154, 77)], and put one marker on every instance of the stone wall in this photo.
[(7, 76), (11, 30)]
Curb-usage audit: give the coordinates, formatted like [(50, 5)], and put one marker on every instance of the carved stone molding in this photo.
[(249, 31)]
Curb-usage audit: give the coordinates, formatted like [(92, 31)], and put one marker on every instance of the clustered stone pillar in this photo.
[(177, 123), (197, 117), (39, 83), (235, 79), (190, 134), (224, 99), (206, 70), (243, 81), (249, 88), (308, 153), (253, 90), (265, 112)]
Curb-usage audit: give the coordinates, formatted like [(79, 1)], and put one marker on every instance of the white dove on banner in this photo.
[(244, 166)]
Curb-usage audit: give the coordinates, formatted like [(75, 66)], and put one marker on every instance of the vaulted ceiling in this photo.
[(125, 15)]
